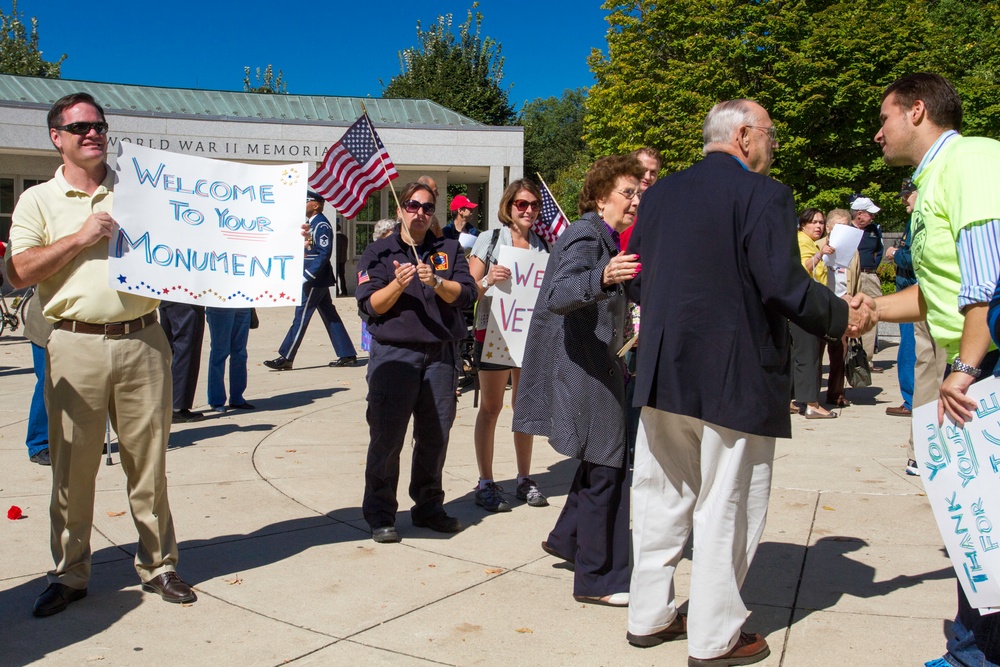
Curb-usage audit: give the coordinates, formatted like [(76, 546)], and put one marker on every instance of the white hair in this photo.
[(382, 227), (723, 121)]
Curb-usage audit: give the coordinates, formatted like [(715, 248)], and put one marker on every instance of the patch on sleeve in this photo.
[(363, 277), (440, 261)]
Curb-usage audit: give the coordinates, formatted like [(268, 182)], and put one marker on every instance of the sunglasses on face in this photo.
[(83, 129), (523, 205), (412, 206)]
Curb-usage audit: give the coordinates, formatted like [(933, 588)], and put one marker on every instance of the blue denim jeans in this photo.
[(37, 438), (229, 329), (906, 359)]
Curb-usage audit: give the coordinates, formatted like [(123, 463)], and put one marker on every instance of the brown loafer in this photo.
[(676, 630), (170, 587), (901, 411), (750, 648)]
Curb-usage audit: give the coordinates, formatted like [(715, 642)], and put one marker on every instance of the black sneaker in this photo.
[(279, 364), (490, 498), (42, 458), (439, 523)]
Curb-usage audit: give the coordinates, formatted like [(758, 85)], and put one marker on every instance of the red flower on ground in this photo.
[(14, 513)]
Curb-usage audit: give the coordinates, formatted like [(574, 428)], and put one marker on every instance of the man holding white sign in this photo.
[(956, 231), (107, 356)]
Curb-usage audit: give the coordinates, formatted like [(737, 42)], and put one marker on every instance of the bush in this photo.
[(886, 272)]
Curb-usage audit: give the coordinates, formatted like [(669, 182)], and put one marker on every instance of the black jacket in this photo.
[(720, 278)]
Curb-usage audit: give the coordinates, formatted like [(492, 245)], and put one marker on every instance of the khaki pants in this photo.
[(88, 379), (870, 284), (928, 371)]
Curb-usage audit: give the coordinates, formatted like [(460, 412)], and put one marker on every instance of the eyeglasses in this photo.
[(630, 194), (83, 129), (771, 132), (523, 205), (412, 206)]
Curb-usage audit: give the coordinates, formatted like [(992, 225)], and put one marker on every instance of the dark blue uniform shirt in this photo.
[(419, 316)]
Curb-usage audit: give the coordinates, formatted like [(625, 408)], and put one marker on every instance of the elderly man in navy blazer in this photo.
[(713, 379)]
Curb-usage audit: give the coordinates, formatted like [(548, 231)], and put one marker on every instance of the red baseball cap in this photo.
[(461, 201)]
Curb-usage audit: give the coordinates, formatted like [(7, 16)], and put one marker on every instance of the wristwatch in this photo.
[(485, 282), (437, 281), (958, 367)]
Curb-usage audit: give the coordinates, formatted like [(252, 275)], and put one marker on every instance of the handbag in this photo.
[(254, 320), (856, 366)]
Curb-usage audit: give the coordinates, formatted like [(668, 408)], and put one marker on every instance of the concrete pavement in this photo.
[(267, 511)]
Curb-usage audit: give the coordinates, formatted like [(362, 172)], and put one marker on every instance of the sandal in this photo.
[(814, 414)]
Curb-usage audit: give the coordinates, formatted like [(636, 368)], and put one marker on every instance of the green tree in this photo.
[(267, 83), (553, 133), (19, 53), (462, 72), (819, 67)]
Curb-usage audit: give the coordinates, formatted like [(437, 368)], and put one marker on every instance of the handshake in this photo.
[(862, 316)]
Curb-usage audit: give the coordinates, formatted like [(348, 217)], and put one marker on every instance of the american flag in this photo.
[(551, 222), (353, 169)]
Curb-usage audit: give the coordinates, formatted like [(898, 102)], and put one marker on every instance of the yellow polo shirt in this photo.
[(80, 291)]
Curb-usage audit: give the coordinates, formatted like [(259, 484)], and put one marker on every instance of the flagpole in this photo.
[(399, 206), (554, 201)]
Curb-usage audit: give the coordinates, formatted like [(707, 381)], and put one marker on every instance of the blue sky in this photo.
[(323, 48)]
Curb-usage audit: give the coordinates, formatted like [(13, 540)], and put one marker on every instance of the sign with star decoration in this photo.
[(207, 232)]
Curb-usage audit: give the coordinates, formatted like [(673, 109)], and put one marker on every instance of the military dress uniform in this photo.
[(316, 294)]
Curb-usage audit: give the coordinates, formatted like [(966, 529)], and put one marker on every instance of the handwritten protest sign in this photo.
[(513, 303), (207, 232), (960, 469)]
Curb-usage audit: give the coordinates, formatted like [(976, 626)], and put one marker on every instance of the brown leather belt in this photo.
[(112, 330), (868, 271)]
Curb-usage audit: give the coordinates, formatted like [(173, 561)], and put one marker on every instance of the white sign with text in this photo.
[(207, 232), (960, 469), (513, 304)]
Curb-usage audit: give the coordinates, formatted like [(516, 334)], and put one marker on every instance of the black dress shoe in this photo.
[(56, 598), (344, 361), (279, 364), (242, 406), (385, 534), (440, 523), (42, 458), (185, 416), (170, 587)]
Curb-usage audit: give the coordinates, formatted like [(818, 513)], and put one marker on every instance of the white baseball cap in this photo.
[(864, 204)]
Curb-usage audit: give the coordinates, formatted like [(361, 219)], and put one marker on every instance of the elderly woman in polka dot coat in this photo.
[(573, 382)]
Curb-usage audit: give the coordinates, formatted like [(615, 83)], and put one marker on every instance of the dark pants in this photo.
[(184, 326), (416, 380), (976, 639), (593, 530), (835, 380), (807, 362), (341, 279), (317, 299)]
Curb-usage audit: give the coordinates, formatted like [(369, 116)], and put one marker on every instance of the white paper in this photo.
[(207, 232), (512, 306), (844, 239), (466, 241), (960, 469)]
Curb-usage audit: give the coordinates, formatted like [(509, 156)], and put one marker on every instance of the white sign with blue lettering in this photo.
[(960, 468), (512, 306), (207, 232)]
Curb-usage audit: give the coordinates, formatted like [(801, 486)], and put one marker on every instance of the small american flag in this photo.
[(551, 223), (353, 169)]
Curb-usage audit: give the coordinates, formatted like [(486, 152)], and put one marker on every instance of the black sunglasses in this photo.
[(523, 205), (412, 206), (83, 129)]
